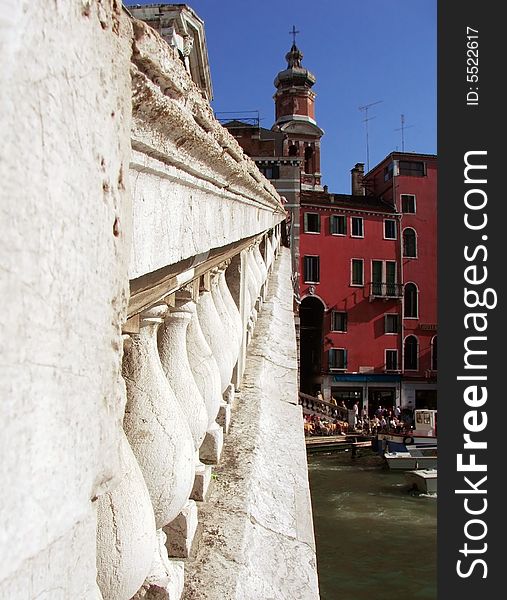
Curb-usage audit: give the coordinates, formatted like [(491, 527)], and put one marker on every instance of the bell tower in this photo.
[(295, 116)]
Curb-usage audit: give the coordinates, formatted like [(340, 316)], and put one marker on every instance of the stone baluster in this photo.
[(256, 293), (126, 532), (172, 344), (249, 301), (155, 424), (213, 332), (260, 262), (251, 282), (278, 237), (257, 273), (207, 378), (228, 323), (260, 276), (269, 253), (230, 306), (261, 266), (231, 322), (236, 274)]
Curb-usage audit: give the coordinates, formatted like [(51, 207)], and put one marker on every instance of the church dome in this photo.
[(295, 74)]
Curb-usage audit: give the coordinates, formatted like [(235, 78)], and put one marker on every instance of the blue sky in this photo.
[(360, 52)]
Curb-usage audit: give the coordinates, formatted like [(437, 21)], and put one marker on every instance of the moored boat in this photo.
[(424, 480), (424, 434), (413, 458)]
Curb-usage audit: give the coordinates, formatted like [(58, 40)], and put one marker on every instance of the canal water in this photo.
[(375, 539)]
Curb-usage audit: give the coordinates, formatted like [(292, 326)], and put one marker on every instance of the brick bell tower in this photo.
[(295, 116)]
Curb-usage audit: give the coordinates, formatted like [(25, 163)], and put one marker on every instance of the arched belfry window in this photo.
[(411, 353), (308, 159), (411, 301), (409, 243)]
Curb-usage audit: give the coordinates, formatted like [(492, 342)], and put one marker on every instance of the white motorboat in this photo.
[(424, 480), (413, 458), (423, 436)]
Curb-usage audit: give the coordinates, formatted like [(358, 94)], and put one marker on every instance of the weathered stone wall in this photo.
[(65, 221)]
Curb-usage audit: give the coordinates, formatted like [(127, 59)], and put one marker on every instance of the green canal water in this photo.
[(375, 539)]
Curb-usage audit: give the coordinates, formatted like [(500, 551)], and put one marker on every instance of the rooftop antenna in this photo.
[(293, 33), (365, 120), (402, 129)]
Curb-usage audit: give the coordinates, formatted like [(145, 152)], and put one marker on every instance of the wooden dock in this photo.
[(330, 443)]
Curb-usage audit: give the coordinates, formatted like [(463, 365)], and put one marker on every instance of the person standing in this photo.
[(333, 401)]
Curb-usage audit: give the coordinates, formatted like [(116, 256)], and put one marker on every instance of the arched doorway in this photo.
[(311, 313)]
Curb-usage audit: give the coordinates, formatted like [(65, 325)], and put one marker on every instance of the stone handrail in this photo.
[(326, 409), (165, 99)]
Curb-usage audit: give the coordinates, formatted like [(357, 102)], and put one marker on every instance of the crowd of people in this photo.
[(317, 425), (379, 420)]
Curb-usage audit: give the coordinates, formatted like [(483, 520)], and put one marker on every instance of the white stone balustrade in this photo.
[(213, 332), (126, 532), (155, 424), (175, 190), (172, 344)]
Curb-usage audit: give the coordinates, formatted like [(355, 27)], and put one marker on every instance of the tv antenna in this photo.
[(402, 129), (365, 120)]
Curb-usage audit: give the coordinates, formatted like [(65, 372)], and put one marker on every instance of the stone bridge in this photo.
[(152, 442)]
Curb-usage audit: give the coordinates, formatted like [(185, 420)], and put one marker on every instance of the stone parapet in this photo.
[(257, 539), (183, 159), (118, 178)]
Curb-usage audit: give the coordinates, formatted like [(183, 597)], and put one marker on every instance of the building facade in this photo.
[(408, 181), (368, 287)]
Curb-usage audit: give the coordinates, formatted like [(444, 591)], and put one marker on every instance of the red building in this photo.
[(368, 286)]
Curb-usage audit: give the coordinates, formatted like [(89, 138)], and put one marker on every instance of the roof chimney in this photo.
[(357, 179)]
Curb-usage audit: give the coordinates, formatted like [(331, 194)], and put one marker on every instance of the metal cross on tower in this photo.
[(293, 33)]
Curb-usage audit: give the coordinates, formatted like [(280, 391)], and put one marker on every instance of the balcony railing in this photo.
[(385, 290)]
